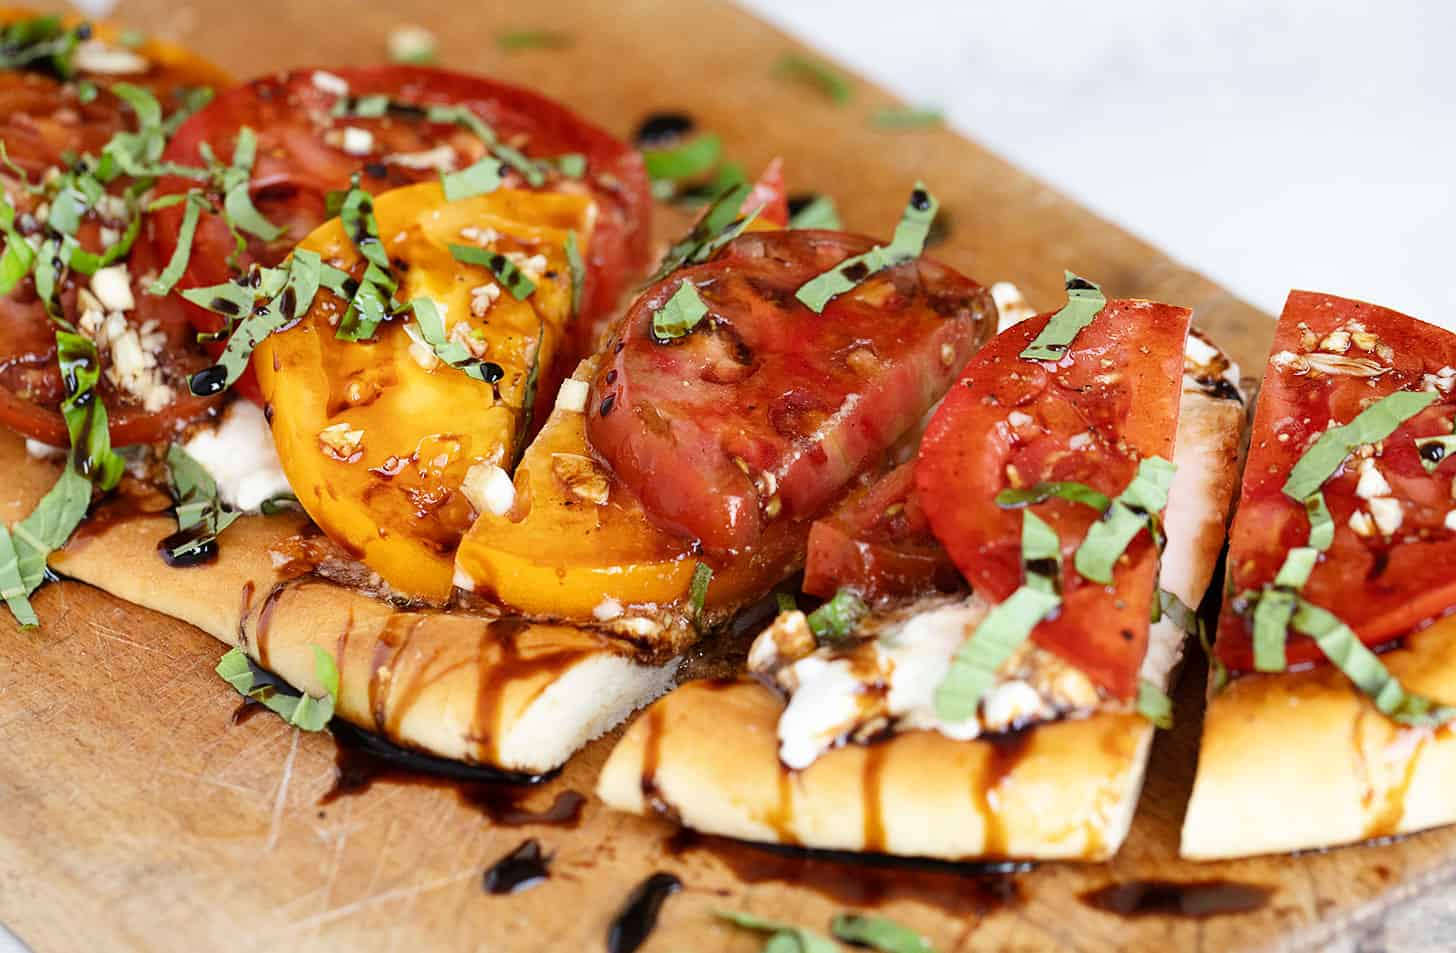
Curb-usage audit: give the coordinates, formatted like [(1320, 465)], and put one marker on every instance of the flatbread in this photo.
[(1063, 790), (514, 695), (1303, 760)]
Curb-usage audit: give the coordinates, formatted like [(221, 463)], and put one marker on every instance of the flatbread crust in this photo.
[(707, 754), (1303, 760), (519, 696)]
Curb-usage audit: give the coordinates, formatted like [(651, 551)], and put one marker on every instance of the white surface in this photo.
[(1270, 145)]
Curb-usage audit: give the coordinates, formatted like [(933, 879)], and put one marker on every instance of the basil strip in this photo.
[(1085, 301), (1343, 648), (201, 514), (698, 589), (1154, 704), (528, 395), (572, 165), (973, 670), (906, 117), (1068, 490), (478, 179), (373, 301), (906, 245), (785, 937), (1374, 423), (85, 414), (719, 225), (818, 212), (786, 601), (18, 257), (511, 277), (238, 207), (1041, 554), (170, 275), (878, 933), (1135, 508), (1433, 450), (578, 272), (816, 74), (431, 325), (297, 709), (689, 160), (679, 314), (1321, 524), (512, 40), (13, 589), (837, 618), (533, 172), (41, 43)]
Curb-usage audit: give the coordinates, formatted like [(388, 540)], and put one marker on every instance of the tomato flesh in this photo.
[(1381, 585), (1089, 418), (766, 410)]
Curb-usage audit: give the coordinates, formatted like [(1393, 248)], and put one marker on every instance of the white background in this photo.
[(1271, 145)]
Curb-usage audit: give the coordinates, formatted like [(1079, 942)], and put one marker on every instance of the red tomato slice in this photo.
[(1012, 423), (878, 542), (766, 410), (1381, 586), (302, 157), (41, 121), (769, 195)]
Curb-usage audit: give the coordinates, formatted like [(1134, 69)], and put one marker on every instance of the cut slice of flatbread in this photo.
[(515, 695), (707, 756)]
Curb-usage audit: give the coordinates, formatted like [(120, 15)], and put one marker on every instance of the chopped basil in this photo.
[(478, 179), (818, 212), (12, 585), (906, 245), (1433, 450), (717, 226), (1085, 301), (786, 601), (297, 709), (373, 300), (41, 43), (906, 117), (172, 274), (679, 314), (693, 158), (1062, 489), (201, 514), (572, 165), (1321, 524), (238, 208), (1343, 648), (784, 937), (1372, 424), (578, 272), (837, 618), (698, 589), (533, 172), (1132, 510), (18, 257), (282, 503), (84, 413), (828, 81), (878, 933), (1001, 632), (528, 395), (1041, 554), (512, 40), (511, 277), (431, 326), (1154, 704)]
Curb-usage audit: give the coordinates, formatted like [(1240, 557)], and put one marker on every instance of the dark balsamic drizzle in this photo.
[(800, 201), (662, 129), (521, 869), (637, 919), (1198, 899), (169, 548)]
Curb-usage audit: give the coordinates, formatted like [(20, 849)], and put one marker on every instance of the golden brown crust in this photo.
[(1062, 790), (1304, 760), (521, 696)]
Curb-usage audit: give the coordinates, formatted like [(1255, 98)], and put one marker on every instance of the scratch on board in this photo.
[(399, 893), (278, 804)]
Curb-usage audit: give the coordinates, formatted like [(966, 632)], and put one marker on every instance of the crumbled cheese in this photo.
[(239, 455), (825, 707), (1438, 383), (572, 395), (1337, 342), (419, 349), (112, 208), (481, 236), (43, 451), (787, 639), (489, 489), (94, 56), (482, 297), (1017, 419), (112, 288), (330, 83), (1200, 351), (133, 366), (1450, 516), (1372, 484), (469, 338), (534, 266), (411, 44), (1387, 513), (358, 142), (582, 477), (341, 442), (1080, 441), (607, 610), (1011, 305), (441, 158), (1010, 704)]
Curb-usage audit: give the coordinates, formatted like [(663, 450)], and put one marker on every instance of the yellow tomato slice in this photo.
[(576, 540), (376, 437)]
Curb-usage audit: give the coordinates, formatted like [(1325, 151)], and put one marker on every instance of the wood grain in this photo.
[(136, 818)]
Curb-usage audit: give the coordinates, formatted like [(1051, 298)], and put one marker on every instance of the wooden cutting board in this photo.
[(134, 816)]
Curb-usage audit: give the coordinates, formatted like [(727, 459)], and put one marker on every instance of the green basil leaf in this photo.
[(906, 245), (818, 213), (1130, 513), (533, 172), (528, 396), (512, 40), (827, 80), (511, 278), (1069, 490), (720, 224), (40, 43), (1372, 424), (34, 538), (973, 670), (13, 589), (837, 618), (357, 217), (297, 709), (371, 304), (1321, 524), (878, 933), (282, 503), (238, 208), (1041, 554), (679, 314), (88, 263), (431, 326), (578, 271), (802, 940), (1154, 704), (1343, 648), (17, 259), (1085, 301), (1272, 614), (172, 274), (698, 589), (1433, 450), (84, 413), (689, 160), (572, 165), (906, 117), (786, 601), (478, 179), (201, 514)]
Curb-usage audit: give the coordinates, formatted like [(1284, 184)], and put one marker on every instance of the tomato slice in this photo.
[(1090, 418), (1332, 357), (387, 486), (42, 121), (766, 410), (303, 154), (879, 543), (769, 196)]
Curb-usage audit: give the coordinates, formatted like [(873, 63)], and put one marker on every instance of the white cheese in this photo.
[(93, 56), (1362, 524), (330, 83), (441, 158), (826, 705), (1450, 517), (482, 297), (1387, 514), (239, 455), (43, 451), (572, 395), (489, 489), (918, 657), (607, 610), (1011, 305), (1372, 484), (358, 142), (411, 44), (1200, 352), (1009, 704)]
